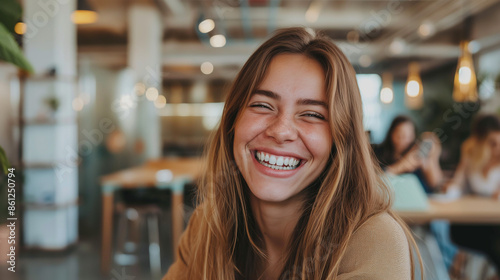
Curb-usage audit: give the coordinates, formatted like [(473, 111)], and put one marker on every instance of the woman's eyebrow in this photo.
[(267, 93), (312, 102), (276, 96)]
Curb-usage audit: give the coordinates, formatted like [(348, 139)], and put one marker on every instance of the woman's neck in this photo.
[(276, 221)]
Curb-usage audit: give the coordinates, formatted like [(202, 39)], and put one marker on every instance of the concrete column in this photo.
[(50, 142), (144, 58)]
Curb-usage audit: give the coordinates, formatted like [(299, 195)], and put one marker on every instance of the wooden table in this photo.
[(467, 209), (183, 170)]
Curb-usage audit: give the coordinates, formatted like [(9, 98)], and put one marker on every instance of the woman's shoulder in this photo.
[(378, 248), (380, 226)]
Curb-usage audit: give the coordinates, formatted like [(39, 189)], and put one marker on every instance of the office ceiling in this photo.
[(374, 34)]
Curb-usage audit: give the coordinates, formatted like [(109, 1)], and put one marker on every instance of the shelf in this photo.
[(42, 165), (52, 121), (46, 206), (69, 79)]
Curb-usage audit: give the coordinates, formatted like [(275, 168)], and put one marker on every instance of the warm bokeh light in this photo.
[(386, 95), (77, 104), (414, 98), (139, 89), (426, 29), (206, 26), (412, 88), (151, 94), (84, 17), (464, 75), (365, 60), (397, 46), (207, 68), (465, 84), (218, 41), (160, 102), (20, 28)]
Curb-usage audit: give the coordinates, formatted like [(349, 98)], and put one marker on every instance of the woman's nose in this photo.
[(282, 129)]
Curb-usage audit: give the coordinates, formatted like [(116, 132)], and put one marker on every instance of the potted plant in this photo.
[(10, 14)]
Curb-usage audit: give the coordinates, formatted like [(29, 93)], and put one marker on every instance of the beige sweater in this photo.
[(377, 250)]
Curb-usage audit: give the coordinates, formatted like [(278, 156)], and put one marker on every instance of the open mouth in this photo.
[(277, 162)]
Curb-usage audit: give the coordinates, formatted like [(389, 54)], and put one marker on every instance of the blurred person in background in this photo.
[(401, 152), (478, 173), (290, 188)]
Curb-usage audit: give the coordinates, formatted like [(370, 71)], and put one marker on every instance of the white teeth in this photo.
[(277, 162), (272, 160)]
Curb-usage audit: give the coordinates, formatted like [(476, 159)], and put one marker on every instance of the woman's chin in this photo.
[(274, 195)]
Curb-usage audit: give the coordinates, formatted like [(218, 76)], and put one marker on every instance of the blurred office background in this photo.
[(128, 82)]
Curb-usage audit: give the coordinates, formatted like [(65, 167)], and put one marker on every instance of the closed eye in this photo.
[(260, 105), (314, 115)]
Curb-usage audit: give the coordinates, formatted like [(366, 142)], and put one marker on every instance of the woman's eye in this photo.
[(314, 115), (260, 105)]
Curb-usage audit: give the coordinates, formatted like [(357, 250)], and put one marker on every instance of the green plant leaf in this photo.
[(10, 51), (10, 13), (4, 163)]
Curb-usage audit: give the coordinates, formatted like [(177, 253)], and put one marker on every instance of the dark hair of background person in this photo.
[(385, 150), (484, 124)]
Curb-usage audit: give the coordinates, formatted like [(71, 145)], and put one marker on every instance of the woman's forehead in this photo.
[(294, 75)]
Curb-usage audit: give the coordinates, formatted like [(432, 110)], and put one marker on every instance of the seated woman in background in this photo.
[(290, 189), (400, 153), (479, 173)]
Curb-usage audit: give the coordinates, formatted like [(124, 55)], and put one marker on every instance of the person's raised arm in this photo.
[(431, 168)]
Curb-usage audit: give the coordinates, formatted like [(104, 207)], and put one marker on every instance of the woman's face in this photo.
[(403, 136), (283, 139), (493, 141)]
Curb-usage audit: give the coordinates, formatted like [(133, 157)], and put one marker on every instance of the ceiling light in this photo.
[(160, 102), (414, 97), (387, 94), (465, 85), (84, 14), (20, 28), (397, 46), (206, 26), (218, 41), (151, 94), (426, 29), (207, 68)]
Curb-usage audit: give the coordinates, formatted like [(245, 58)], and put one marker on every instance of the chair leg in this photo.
[(154, 246), (122, 233)]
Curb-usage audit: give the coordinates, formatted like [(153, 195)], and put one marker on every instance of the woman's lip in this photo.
[(273, 172), (277, 153)]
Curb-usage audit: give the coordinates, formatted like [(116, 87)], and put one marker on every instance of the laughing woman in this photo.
[(291, 190)]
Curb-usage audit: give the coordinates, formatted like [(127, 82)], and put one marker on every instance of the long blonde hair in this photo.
[(228, 244)]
